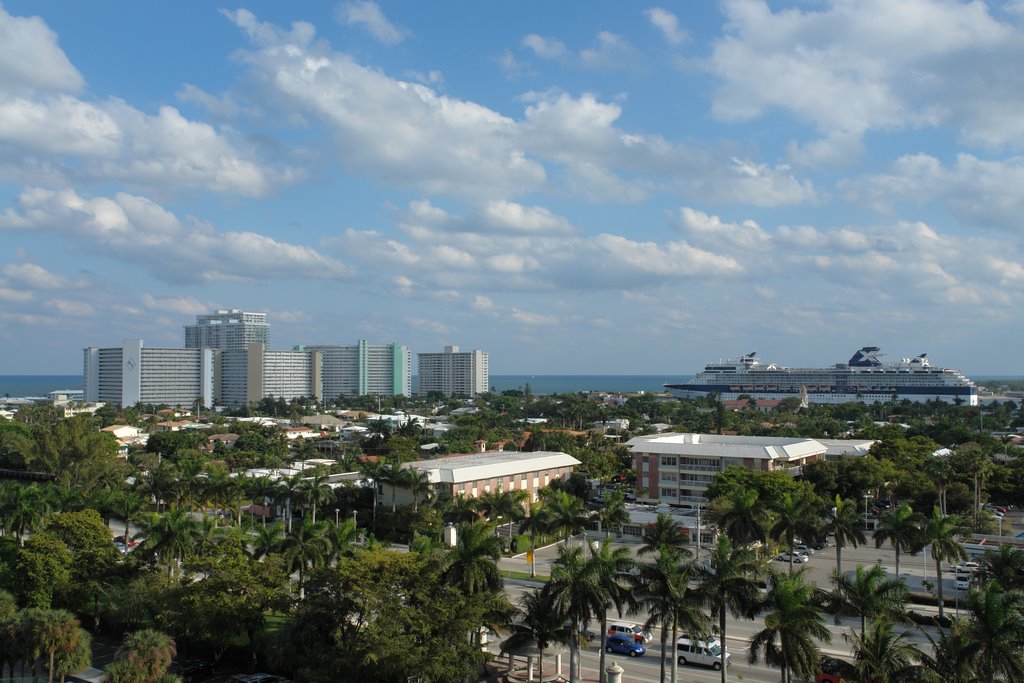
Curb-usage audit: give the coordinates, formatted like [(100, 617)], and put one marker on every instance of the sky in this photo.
[(574, 187)]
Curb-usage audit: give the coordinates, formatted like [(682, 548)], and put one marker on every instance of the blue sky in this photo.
[(577, 188)]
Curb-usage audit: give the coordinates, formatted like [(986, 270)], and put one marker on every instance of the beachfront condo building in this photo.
[(454, 372), (227, 330)]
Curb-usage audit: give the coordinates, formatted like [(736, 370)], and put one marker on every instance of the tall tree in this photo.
[(728, 583), (666, 532), (316, 491), (943, 534), (472, 564), (663, 589), (845, 525), (792, 625), (741, 516), (306, 547), (868, 594), (901, 527), (795, 516), (611, 566), (537, 523), (541, 623), (54, 631), (169, 537), (1005, 566), (884, 656), (148, 654), (995, 632), (568, 513), (578, 594), (614, 514)]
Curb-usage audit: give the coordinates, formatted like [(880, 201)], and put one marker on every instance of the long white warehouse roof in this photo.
[(727, 446), (476, 466)]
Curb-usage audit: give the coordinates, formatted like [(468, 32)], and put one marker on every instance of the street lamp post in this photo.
[(698, 531), (866, 496), (335, 516)]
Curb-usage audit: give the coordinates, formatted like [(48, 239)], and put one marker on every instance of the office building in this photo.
[(227, 330), (365, 369), (454, 372), (133, 373)]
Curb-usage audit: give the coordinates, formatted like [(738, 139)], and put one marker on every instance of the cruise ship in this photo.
[(864, 378)]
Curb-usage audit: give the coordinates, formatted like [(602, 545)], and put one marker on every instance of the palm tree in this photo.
[(74, 660), (127, 506), (537, 523), (614, 514), (791, 626), (568, 513), (729, 585), (845, 525), (460, 509), (540, 624), (940, 470), (1005, 566), (951, 662), (611, 567), (54, 631), (421, 488), (994, 632), (260, 489), (148, 654), (902, 528), (307, 546), (22, 508), (578, 594), (868, 594), (795, 517), (504, 506), (662, 589), (267, 539), (943, 534), (169, 537), (342, 536), (472, 564), (666, 532), (316, 491), (741, 516), (884, 656), (289, 490)]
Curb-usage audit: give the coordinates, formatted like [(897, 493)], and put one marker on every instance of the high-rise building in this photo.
[(454, 372), (251, 375), (227, 330), (133, 373), (365, 369)]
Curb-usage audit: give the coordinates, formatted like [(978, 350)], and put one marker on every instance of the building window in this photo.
[(668, 461), (669, 493)]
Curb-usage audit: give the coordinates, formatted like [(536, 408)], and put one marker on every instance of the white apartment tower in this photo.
[(227, 330), (454, 372), (133, 373), (365, 369), (256, 373)]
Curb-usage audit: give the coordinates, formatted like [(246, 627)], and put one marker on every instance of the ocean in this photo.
[(40, 385), (20, 386)]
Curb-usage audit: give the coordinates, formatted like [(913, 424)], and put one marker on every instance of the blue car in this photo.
[(624, 645)]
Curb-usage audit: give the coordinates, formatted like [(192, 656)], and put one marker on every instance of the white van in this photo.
[(703, 652), (962, 582), (627, 628)]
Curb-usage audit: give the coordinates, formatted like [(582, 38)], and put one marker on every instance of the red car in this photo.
[(835, 671)]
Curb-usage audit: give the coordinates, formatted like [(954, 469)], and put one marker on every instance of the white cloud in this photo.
[(710, 229), (137, 230), (535, 319), (545, 48), (31, 60), (18, 295), (79, 309), (176, 304), (223, 106), (34, 276), (668, 24), (984, 193), (369, 15), (432, 326), (849, 67), (611, 51)]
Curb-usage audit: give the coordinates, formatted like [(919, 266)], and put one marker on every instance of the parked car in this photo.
[(798, 558), (965, 567), (835, 671), (962, 582), (624, 644), (803, 549), (630, 629)]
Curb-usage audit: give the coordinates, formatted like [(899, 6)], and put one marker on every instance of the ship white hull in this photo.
[(829, 397)]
